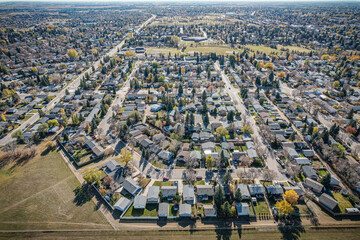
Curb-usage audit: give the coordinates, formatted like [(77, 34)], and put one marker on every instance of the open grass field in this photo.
[(164, 51), (213, 49), (43, 193), (306, 234), (268, 50)]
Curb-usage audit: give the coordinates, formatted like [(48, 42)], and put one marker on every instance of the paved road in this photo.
[(240, 106), (71, 87), (120, 96)]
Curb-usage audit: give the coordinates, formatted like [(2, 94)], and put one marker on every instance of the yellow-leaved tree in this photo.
[(284, 207), (72, 53), (291, 197), (125, 156), (93, 175)]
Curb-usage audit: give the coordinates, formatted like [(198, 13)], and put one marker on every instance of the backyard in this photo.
[(343, 202), (149, 211)]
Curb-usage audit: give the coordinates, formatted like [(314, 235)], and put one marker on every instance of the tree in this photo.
[(226, 209), (326, 180), (221, 131), (53, 123), (291, 197), (72, 53), (18, 134), (269, 175), (336, 84), (92, 175), (227, 178), (246, 129), (238, 196), (284, 207), (351, 130), (209, 162), (43, 129), (3, 118), (219, 196), (125, 156), (269, 66), (230, 116), (107, 181), (350, 114), (206, 119), (177, 198), (50, 146)]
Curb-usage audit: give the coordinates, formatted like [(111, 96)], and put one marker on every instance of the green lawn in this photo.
[(201, 182), (164, 51), (43, 193), (212, 49), (322, 172), (302, 208), (161, 183), (149, 211), (343, 202), (172, 212), (261, 208)]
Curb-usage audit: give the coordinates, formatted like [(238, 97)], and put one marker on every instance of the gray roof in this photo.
[(313, 185), (188, 192), (242, 209), (274, 189), (302, 161), (153, 192), (122, 204), (130, 185), (210, 210), (112, 165), (328, 201), (297, 189), (140, 200), (163, 210), (252, 153), (255, 189), (244, 190), (309, 172), (169, 190), (205, 190), (184, 209)]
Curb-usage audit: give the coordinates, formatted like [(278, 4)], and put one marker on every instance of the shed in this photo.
[(139, 202)]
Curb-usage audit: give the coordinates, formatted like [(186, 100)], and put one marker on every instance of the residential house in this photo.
[(163, 210), (244, 191), (139, 202), (122, 204), (314, 186), (256, 190), (309, 172), (153, 194), (203, 192), (328, 201), (210, 211), (185, 210), (188, 194), (169, 192), (243, 209), (131, 186), (275, 191)]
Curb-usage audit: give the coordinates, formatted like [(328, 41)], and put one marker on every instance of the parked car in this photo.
[(148, 176), (165, 179), (198, 178)]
